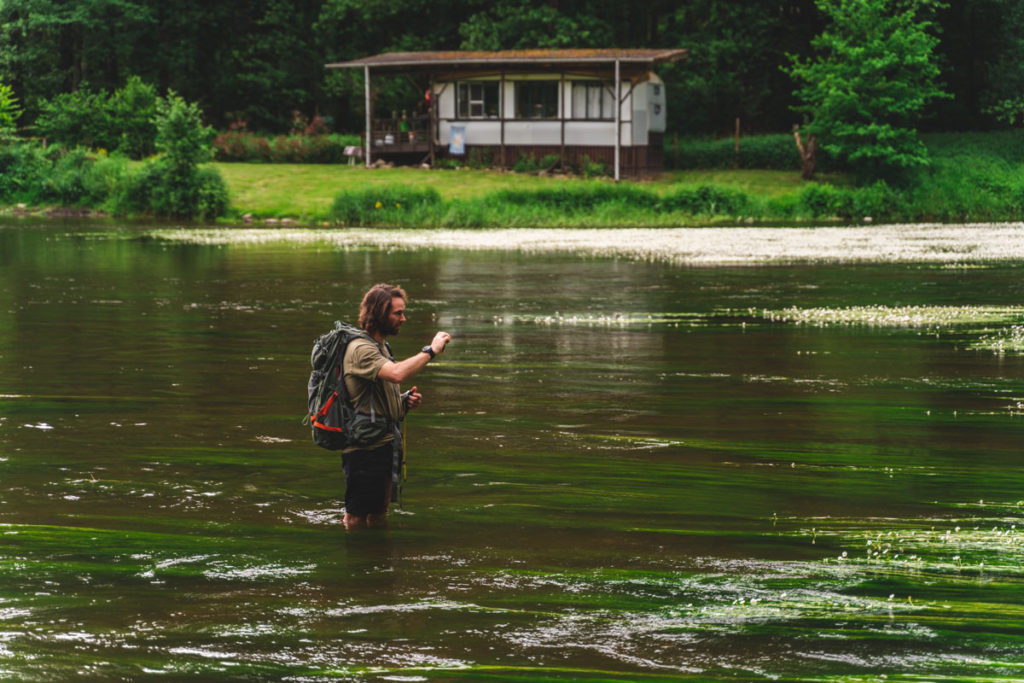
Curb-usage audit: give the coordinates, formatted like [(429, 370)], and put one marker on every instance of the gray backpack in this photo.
[(335, 422)]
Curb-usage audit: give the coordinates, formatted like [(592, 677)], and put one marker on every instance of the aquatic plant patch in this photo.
[(1008, 340), (987, 546), (921, 243), (607, 319), (895, 316)]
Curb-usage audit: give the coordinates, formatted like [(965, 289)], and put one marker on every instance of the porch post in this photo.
[(561, 110), (431, 118), (501, 115), (618, 118), (369, 112)]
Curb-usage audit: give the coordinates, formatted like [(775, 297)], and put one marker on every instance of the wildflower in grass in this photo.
[(377, 205), (398, 205)]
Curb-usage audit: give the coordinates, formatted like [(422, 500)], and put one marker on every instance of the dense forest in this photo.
[(261, 60)]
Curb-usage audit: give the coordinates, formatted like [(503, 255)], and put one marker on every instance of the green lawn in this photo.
[(308, 190)]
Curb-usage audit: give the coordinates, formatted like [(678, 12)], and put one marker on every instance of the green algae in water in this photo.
[(658, 483)]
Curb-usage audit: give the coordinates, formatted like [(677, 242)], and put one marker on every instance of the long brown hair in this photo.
[(376, 306)]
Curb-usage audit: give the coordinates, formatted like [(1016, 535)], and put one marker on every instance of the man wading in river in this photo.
[(368, 366)]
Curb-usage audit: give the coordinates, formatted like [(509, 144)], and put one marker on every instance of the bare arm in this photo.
[(400, 371)]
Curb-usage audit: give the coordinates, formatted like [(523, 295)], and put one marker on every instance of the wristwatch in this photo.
[(428, 349)]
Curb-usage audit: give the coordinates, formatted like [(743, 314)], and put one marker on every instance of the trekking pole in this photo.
[(402, 475)]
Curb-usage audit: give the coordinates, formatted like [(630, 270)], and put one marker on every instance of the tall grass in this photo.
[(387, 205), (598, 204)]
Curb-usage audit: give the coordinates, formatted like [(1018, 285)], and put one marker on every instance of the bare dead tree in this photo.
[(808, 153)]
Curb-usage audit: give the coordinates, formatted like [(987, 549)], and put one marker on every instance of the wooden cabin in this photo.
[(501, 106)]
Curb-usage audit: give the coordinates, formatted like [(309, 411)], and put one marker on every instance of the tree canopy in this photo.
[(261, 60), (867, 86)]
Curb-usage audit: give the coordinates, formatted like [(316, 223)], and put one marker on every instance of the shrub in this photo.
[(161, 189), (706, 200), (1007, 145), (32, 174), (593, 169), (23, 171), (180, 133), (77, 118), (767, 152), (579, 198), (819, 201), (311, 145), (388, 205), (966, 187), (480, 157), (525, 164), (65, 184), (121, 121), (132, 112), (876, 200), (174, 185)]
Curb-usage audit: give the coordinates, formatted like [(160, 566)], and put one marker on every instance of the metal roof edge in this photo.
[(668, 55)]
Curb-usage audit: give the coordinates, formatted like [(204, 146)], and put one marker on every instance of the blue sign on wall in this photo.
[(458, 141)]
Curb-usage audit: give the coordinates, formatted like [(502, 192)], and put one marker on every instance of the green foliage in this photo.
[(239, 144), (174, 185), (776, 152), (1007, 145), (525, 24), (706, 200), (734, 70), (161, 189), (77, 118), (34, 175), (23, 171), (388, 205), (120, 121), (9, 113), (265, 62), (877, 200), (180, 133), (579, 198), (592, 169), (869, 83), (132, 110), (526, 163), (480, 157), (997, 65)]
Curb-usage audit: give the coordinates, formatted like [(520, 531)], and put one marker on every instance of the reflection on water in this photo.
[(622, 470)]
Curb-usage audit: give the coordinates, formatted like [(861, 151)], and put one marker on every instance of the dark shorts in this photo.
[(367, 475)]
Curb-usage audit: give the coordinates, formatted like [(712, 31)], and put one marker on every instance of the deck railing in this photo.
[(401, 132)]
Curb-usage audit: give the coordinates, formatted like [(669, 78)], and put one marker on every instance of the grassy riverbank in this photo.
[(308, 191), (971, 178)]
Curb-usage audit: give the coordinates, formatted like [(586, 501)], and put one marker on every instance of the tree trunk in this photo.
[(808, 153)]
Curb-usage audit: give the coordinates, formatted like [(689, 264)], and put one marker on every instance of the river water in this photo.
[(622, 470)]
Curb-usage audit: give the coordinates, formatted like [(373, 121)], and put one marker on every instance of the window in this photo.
[(477, 100), (537, 100), (591, 100)]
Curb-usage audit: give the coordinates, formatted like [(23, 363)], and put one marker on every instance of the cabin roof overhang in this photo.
[(639, 60)]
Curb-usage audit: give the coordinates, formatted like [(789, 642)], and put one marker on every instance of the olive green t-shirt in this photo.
[(363, 360)]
